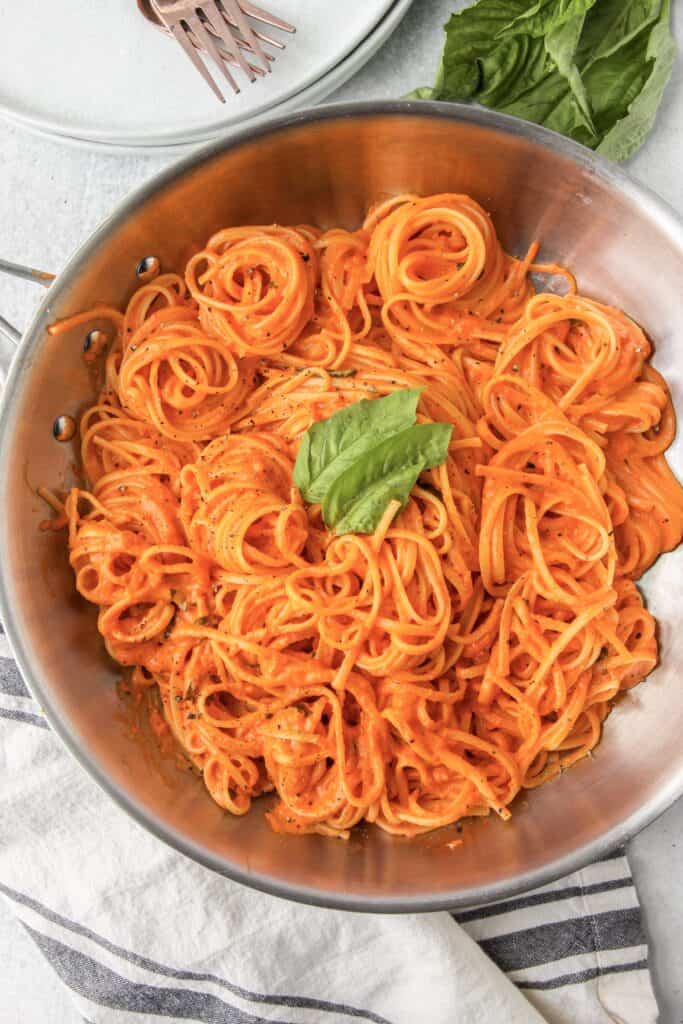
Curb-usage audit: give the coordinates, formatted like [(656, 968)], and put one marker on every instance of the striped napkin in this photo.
[(137, 931)]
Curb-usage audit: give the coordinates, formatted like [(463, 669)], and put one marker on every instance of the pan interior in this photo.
[(326, 168)]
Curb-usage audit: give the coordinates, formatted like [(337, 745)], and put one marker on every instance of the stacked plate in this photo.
[(98, 73)]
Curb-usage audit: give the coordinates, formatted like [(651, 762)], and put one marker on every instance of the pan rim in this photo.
[(656, 209)]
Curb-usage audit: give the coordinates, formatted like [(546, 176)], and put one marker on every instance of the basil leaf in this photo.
[(365, 514), (329, 447), (562, 43), (629, 133), (423, 92), (495, 49), (544, 16), (594, 70), (614, 23), (357, 500)]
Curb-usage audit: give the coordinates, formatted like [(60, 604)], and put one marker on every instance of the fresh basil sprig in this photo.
[(366, 455), (331, 446), (356, 501), (594, 70)]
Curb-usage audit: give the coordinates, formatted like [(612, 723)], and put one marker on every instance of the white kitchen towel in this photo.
[(138, 932)]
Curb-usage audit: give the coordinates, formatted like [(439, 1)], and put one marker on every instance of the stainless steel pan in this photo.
[(326, 166)]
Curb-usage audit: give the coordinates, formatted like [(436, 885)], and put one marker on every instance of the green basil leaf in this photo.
[(356, 501), (423, 92), (614, 23), (364, 514), (629, 133), (594, 70), (562, 44), (331, 446), (495, 49), (537, 19)]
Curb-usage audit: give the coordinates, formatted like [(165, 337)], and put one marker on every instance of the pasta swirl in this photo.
[(474, 644)]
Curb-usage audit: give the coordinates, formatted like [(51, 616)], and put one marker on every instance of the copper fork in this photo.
[(222, 29), (146, 9), (251, 10)]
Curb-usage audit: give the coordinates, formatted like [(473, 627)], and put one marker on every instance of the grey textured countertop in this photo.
[(70, 190)]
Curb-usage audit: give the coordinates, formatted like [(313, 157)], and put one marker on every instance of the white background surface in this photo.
[(52, 196)]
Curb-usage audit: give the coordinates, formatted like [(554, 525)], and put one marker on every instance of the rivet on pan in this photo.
[(95, 341), (63, 428), (147, 268)]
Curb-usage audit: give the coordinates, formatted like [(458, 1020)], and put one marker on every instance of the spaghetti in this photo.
[(474, 644)]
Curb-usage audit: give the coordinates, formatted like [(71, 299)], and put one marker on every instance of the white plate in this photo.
[(96, 70), (314, 93)]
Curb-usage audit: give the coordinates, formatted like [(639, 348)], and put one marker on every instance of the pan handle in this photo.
[(9, 335)]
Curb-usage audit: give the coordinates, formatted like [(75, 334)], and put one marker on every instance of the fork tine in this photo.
[(222, 29), (275, 43), (269, 41), (255, 68), (244, 45), (207, 42), (226, 55), (268, 19), (234, 12), (180, 37)]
